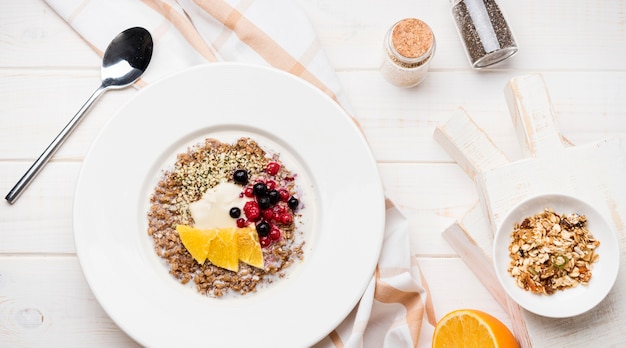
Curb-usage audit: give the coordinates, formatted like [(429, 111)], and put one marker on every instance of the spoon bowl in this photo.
[(121, 64), (125, 60)]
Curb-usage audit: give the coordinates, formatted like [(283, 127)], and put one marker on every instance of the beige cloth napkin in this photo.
[(395, 310)]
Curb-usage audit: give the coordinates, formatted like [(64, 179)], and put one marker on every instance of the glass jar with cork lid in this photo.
[(408, 48)]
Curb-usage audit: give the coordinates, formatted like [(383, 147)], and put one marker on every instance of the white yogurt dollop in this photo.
[(212, 210)]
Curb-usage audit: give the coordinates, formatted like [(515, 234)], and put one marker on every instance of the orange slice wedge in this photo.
[(196, 241), (250, 250), (223, 249)]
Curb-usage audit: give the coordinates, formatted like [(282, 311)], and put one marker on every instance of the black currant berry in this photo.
[(263, 228), (293, 203), (234, 212), (264, 202), (240, 176), (274, 196), (259, 189)]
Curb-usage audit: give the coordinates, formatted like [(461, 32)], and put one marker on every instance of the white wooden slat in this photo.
[(567, 35), (45, 302), (531, 111), (37, 105), (43, 215), (352, 35), (41, 219), (398, 123), (556, 35), (468, 145), (474, 257), (29, 127), (453, 286), (430, 196), (33, 35)]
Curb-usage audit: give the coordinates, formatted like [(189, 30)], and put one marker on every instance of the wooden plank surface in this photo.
[(47, 72), (45, 302)]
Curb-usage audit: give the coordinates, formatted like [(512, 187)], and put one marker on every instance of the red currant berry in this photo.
[(252, 211), (268, 214), (265, 241), (271, 184), (241, 223), (275, 233), (284, 195), (250, 205), (286, 219), (282, 209), (254, 214), (248, 192), (272, 168)]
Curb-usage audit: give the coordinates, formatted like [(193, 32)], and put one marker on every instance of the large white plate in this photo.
[(343, 224)]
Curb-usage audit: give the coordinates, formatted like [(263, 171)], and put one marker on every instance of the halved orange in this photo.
[(468, 328), (196, 241), (250, 250)]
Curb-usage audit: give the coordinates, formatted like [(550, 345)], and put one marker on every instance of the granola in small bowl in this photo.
[(552, 251), (556, 255)]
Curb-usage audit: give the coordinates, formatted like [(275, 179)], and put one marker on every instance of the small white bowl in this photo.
[(569, 302)]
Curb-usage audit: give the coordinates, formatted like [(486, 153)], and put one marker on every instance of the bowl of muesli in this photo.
[(227, 205), (556, 255)]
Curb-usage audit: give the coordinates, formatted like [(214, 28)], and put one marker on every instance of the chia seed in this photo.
[(485, 34)]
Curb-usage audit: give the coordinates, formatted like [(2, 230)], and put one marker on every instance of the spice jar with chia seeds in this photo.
[(485, 34), (408, 48)]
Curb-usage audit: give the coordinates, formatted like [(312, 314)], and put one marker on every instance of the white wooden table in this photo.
[(47, 72)]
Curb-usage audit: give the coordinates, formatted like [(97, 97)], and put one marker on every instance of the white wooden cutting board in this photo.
[(594, 172)]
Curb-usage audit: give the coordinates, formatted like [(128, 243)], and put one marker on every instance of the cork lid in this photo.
[(411, 38)]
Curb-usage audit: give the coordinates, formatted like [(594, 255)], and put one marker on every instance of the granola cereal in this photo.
[(551, 252), (200, 168)]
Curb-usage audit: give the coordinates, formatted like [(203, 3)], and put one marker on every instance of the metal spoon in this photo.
[(125, 60)]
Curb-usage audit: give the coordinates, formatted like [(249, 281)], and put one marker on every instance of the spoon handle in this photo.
[(38, 165)]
